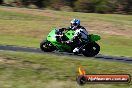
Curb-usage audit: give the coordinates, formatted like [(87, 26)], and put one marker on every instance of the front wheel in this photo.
[(46, 46), (91, 49)]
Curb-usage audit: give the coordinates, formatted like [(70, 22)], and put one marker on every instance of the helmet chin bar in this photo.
[(74, 25)]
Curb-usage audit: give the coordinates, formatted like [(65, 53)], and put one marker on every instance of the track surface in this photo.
[(37, 50)]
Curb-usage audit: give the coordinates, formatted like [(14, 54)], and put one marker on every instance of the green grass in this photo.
[(20, 41), (29, 70), (116, 45), (20, 16), (113, 18)]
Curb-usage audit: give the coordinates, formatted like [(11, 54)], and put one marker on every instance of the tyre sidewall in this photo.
[(89, 51), (48, 49)]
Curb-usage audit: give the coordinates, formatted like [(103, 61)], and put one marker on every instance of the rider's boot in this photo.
[(76, 51)]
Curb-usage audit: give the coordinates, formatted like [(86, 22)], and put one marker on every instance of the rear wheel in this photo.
[(46, 46), (91, 49)]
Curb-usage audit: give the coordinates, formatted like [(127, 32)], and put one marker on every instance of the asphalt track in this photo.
[(37, 50)]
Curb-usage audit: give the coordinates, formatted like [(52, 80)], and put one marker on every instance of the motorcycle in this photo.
[(53, 42)]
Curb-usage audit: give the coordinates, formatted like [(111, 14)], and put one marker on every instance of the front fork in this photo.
[(81, 48)]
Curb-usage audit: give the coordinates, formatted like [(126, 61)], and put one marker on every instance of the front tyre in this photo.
[(46, 46), (91, 49)]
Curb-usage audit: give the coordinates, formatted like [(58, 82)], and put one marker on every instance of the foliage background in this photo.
[(92, 6)]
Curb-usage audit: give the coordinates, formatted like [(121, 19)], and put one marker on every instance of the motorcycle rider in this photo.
[(80, 36)]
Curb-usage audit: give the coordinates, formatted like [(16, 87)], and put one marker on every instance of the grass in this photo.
[(118, 19), (19, 41), (29, 70), (5, 15), (116, 45)]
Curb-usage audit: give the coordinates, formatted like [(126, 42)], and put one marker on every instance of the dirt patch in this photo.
[(7, 60), (2, 59), (23, 63), (62, 84), (108, 28)]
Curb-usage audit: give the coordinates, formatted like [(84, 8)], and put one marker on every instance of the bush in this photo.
[(1, 1), (16, 3), (66, 8), (99, 6), (84, 6), (103, 7), (32, 6)]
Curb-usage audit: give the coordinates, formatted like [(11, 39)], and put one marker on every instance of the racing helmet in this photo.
[(75, 23)]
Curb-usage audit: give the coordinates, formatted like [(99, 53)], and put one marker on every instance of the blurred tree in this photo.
[(57, 4), (84, 6), (72, 2), (128, 6), (103, 6), (25, 2), (38, 3), (1, 1), (123, 6), (100, 6)]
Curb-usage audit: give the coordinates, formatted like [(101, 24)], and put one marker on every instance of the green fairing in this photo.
[(69, 34), (51, 36)]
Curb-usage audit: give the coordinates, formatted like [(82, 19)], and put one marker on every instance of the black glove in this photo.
[(62, 29)]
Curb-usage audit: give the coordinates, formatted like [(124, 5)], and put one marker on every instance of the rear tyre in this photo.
[(76, 53), (46, 46), (91, 49)]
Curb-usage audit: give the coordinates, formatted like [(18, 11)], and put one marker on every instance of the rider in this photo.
[(80, 36)]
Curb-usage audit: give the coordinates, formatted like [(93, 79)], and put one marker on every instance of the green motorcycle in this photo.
[(53, 43)]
